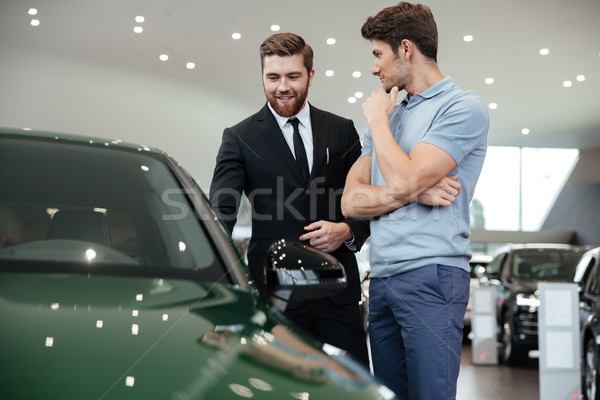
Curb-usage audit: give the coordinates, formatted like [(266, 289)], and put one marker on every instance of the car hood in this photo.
[(73, 336)]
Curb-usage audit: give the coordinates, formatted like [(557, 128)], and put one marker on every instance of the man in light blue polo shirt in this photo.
[(419, 253)]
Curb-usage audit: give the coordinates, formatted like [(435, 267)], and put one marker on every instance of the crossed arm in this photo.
[(419, 176)]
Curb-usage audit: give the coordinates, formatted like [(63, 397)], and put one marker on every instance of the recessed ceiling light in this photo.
[(329, 72), (567, 83), (544, 52), (32, 11), (358, 95), (35, 22), (163, 57), (580, 78), (525, 131), (489, 81), (139, 19), (356, 74), (493, 106), (190, 65), (275, 28), (236, 36), (468, 38), (331, 41), (138, 29), (351, 99)]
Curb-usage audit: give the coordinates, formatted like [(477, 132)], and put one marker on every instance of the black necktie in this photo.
[(301, 159)]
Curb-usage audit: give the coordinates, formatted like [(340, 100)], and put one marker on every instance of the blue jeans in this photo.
[(415, 329)]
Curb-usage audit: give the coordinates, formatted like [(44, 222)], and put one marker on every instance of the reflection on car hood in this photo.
[(106, 337)]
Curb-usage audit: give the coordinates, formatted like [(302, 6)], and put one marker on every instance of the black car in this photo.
[(514, 273), (586, 276)]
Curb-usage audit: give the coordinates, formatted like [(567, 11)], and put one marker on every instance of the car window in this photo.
[(591, 284), (57, 199), (545, 264), (496, 263)]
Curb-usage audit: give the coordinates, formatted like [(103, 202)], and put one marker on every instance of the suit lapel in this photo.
[(320, 140), (269, 128)]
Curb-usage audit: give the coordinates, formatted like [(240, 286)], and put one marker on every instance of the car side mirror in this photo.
[(299, 272)]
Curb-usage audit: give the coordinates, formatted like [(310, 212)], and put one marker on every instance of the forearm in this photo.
[(362, 200)]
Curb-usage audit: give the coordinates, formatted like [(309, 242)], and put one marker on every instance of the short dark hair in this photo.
[(286, 44), (409, 21)]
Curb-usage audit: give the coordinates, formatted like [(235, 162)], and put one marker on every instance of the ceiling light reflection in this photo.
[(351, 99), (129, 381), (135, 313), (163, 57), (329, 72), (182, 247), (165, 317), (241, 391), (356, 74), (567, 83), (544, 52), (525, 131), (138, 29), (90, 254), (54, 306), (35, 22), (359, 95), (236, 36), (135, 329), (489, 81), (275, 28), (331, 41), (49, 341), (580, 78), (493, 106), (32, 11), (139, 19), (190, 65), (139, 297), (468, 38), (260, 384), (99, 324)]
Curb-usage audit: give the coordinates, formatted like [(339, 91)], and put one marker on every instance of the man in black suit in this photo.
[(258, 156), (293, 173)]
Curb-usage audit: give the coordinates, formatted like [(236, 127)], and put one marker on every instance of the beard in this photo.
[(292, 108)]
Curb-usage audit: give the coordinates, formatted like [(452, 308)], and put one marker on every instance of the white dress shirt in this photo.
[(304, 127)]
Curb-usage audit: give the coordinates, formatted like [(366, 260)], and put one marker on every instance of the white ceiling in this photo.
[(83, 70)]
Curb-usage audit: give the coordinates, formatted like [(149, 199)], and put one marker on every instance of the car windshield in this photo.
[(76, 202), (545, 264)]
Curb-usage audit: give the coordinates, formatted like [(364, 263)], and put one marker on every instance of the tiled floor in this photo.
[(497, 382)]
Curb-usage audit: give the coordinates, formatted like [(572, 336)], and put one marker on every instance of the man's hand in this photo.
[(379, 106), (327, 236), (442, 193)]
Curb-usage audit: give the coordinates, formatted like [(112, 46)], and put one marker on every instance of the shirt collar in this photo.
[(438, 88), (303, 116)]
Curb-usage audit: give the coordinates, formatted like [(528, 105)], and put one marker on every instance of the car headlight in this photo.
[(528, 301)]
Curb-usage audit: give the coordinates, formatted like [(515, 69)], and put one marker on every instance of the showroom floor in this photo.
[(496, 382)]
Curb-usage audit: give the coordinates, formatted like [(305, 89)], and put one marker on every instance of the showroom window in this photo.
[(518, 186)]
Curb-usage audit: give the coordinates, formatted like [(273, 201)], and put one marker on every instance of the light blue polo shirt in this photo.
[(416, 235)]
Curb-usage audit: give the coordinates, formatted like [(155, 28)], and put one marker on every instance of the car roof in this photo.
[(28, 134)]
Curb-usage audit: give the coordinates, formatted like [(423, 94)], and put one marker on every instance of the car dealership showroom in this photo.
[(118, 280)]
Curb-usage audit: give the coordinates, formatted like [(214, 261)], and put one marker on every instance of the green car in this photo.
[(117, 281)]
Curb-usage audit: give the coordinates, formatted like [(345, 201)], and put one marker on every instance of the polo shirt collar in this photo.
[(438, 88)]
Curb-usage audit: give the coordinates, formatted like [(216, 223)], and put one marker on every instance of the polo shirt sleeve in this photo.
[(460, 127), (367, 144)]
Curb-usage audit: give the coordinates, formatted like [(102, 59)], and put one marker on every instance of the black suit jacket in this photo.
[(255, 158)]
